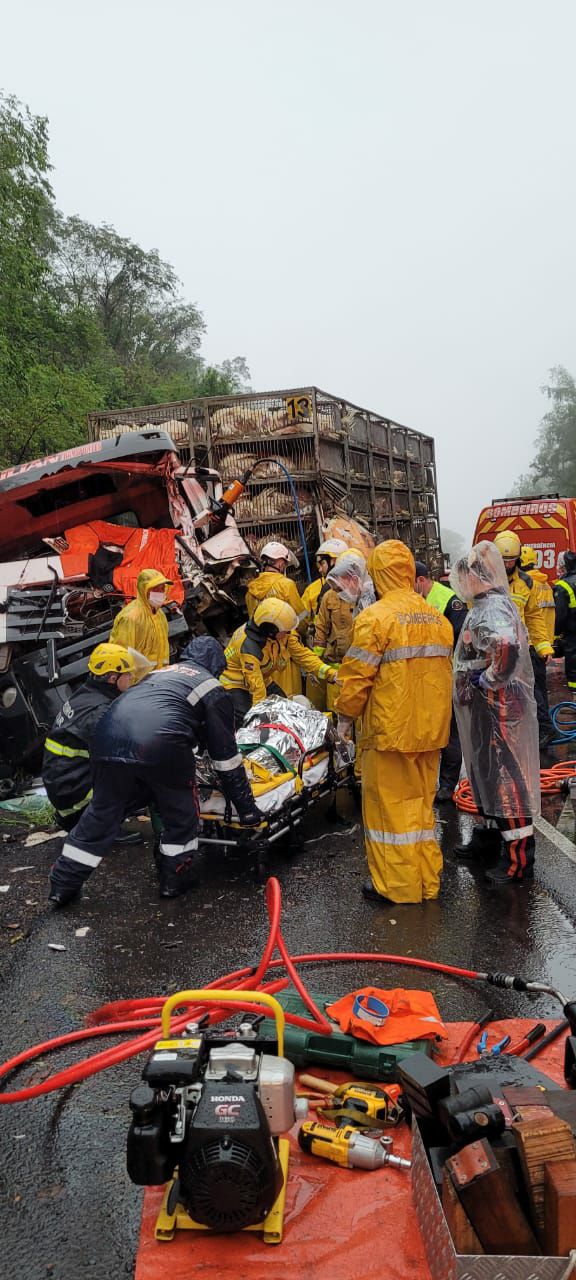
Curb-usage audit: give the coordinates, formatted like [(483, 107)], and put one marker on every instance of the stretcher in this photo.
[(284, 798)]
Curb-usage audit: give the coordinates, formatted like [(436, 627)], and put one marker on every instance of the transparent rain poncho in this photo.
[(350, 579), (494, 690)]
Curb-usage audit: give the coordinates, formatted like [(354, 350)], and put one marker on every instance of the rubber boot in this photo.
[(486, 842), (508, 869), (66, 880), (177, 876)]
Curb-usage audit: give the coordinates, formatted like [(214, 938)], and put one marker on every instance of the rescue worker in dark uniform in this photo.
[(66, 769), (142, 751), (445, 600), (496, 714), (565, 603)]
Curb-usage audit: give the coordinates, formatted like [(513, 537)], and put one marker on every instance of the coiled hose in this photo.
[(563, 717), (145, 1014), (551, 780)]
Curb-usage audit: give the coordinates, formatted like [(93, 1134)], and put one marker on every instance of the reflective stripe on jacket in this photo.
[(66, 769), (253, 662), (545, 600), (397, 673), (525, 597)]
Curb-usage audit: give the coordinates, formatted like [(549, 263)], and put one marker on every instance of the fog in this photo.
[(377, 198)]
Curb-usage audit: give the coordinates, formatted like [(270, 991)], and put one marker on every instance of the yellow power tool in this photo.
[(364, 1105), (348, 1147)]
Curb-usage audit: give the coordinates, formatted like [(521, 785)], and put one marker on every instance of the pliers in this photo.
[(496, 1049)]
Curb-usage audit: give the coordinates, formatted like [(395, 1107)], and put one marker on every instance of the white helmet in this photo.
[(332, 548), (277, 551)]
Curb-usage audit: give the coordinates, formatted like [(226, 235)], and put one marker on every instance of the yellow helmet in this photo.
[(508, 544), (276, 613), (528, 558), (108, 658)]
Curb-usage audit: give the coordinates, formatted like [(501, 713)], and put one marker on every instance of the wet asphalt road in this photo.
[(68, 1208)]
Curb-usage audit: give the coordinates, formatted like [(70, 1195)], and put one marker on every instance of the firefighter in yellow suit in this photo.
[(397, 675), (273, 583)]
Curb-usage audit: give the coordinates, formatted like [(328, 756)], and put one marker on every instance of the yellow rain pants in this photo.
[(403, 854)]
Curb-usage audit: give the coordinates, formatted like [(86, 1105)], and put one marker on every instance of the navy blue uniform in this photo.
[(142, 751), (66, 766)]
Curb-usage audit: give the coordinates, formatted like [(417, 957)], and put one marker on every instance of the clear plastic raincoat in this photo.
[(494, 690), (350, 579)]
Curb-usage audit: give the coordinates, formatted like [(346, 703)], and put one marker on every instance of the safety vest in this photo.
[(440, 596), (569, 591)]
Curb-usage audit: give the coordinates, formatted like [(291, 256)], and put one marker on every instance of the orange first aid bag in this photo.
[(412, 1015)]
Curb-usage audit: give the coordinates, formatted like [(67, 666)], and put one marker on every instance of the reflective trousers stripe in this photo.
[(173, 850), (58, 749), (399, 837), (365, 655), (79, 855), (417, 651), (519, 833), (224, 766)]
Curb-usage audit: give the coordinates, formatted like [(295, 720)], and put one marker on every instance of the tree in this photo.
[(133, 294), (88, 319), (25, 201), (553, 469)]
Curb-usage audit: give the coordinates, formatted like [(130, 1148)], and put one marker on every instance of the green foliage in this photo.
[(553, 469), (88, 319)]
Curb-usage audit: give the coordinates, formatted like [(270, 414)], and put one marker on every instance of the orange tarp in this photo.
[(143, 549), (338, 1223)]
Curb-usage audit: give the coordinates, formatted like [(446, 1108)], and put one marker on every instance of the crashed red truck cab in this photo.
[(76, 528)]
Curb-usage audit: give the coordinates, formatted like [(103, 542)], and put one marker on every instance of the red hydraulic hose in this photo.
[(134, 1015)]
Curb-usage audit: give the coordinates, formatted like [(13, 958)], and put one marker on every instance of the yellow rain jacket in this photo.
[(268, 584), (523, 588), (139, 626), (397, 675), (271, 583), (254, 664), (310, 598), (334, 624), (545, 600)]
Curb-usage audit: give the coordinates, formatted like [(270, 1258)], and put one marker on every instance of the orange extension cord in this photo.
[(550, 780)]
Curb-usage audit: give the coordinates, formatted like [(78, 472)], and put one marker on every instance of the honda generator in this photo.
[(208, 1120)]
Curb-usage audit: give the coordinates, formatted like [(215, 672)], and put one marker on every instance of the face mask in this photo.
[(156, 598), (349, 597)]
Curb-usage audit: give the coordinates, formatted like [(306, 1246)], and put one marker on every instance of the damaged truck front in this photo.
[(76, 528)]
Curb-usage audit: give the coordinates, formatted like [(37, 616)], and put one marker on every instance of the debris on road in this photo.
[(81, 933), (41, 837), (56, 946)]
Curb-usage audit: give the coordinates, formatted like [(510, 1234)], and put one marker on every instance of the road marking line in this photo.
[(562, 842)]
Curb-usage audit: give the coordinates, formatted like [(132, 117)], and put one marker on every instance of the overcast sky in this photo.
[(376, 197)]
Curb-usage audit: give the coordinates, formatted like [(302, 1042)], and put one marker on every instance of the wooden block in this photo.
[(560, 1208), (459, 1224), (541, 1142), (489, 1202)]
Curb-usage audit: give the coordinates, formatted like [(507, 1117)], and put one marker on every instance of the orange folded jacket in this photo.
[(143, 549), (413, 1015)]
